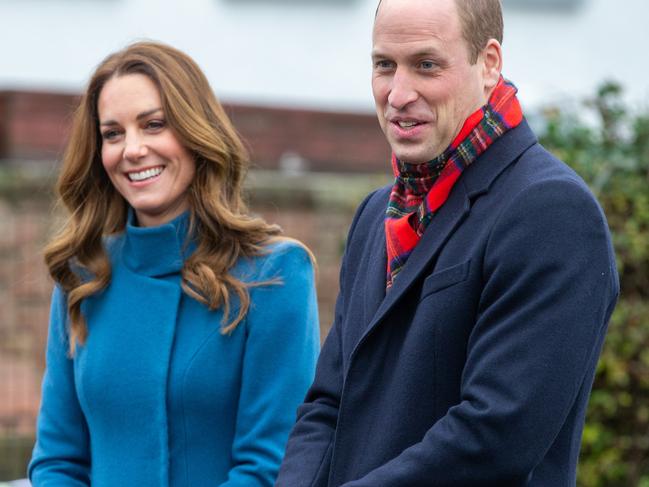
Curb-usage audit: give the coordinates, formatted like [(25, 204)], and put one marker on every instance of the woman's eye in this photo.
[(110, 134), (155, 124)]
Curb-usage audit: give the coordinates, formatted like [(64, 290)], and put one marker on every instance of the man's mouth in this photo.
[(145, 174), (407, 124)]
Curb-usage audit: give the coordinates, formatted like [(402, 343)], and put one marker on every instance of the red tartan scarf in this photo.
[(421, 189)]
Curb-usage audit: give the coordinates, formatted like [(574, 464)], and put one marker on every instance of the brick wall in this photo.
[(3, 123), (35, 125), (324, 141), (24, 297)]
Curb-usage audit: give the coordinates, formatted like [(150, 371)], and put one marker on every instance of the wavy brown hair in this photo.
[(221, 225)]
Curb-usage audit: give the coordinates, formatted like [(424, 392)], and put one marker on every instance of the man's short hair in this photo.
[(481, 20)]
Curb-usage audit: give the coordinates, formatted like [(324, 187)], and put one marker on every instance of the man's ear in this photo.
[(492, 65)]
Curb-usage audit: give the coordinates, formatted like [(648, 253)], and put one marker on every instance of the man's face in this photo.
[(423, 84)]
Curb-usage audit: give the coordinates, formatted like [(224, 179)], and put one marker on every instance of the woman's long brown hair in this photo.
[(223, 229)]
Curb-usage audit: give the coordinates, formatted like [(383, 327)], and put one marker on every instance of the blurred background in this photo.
[(294, 76)]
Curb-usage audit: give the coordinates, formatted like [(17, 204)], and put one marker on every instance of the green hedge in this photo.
[(15, 452), (608, 144)]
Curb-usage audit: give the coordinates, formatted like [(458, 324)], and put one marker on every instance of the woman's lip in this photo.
[(142, 169), (144, 182)]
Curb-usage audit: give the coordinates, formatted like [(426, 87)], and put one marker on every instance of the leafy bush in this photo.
[(611, 152)]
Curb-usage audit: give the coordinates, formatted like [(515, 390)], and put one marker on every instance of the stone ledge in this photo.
[(280, 188)]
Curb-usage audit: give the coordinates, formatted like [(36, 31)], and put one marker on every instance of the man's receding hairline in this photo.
[(479, 23), (457, 12), (380, 1), (456, 2)]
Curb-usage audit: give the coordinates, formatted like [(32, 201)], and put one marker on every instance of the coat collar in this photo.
[(157, 251), (476, 180), (479, 177)]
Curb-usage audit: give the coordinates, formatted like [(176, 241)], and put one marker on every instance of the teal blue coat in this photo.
[(158, 396)]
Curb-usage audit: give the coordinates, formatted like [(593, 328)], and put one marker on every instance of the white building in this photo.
[(314, 53)]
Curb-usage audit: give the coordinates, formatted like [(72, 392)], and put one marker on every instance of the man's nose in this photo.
[(135, 147), (402, 91)]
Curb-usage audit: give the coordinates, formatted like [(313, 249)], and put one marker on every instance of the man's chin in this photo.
[(411, 157), (413, 153)]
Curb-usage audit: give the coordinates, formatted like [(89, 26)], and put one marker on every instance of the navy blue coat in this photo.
[(475, 369)]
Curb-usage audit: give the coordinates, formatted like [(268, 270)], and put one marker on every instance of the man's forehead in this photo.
[(424, 42), (436, 13), (421, 4), (412, 20)]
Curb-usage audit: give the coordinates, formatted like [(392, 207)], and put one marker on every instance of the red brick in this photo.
[(36, 125)]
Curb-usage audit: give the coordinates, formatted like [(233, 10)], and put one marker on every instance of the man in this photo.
[(474, 292)]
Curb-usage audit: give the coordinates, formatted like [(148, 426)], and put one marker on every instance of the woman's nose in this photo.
[(135, 148)]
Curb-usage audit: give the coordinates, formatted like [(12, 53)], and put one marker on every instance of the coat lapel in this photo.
[(475, 181), (376, 272), (438, 231)]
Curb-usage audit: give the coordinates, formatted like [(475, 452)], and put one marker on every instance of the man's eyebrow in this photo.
[(140, 116), (428, 51), (377, 54), (432, 52)]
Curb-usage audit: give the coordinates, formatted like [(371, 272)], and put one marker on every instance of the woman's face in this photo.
[(140, 152)]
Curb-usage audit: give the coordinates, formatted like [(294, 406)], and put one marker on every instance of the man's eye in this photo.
[(383, 64), (428, 65)]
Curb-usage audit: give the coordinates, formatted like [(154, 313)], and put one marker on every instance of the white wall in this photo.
[(562, 53), (316, 55)]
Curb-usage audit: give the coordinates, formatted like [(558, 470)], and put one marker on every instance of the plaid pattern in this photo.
[(421, 189)]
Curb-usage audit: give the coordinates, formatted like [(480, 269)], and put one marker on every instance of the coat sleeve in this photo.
[(309, 449), (550, 286), (61, 455), (278, 366)]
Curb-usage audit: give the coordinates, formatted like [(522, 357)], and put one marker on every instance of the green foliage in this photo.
[(611, 152), (15, 452)]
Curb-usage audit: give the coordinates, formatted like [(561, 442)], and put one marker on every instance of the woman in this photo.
[(183, 331)]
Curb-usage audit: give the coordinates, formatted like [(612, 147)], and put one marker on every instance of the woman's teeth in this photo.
[(146, 174)]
